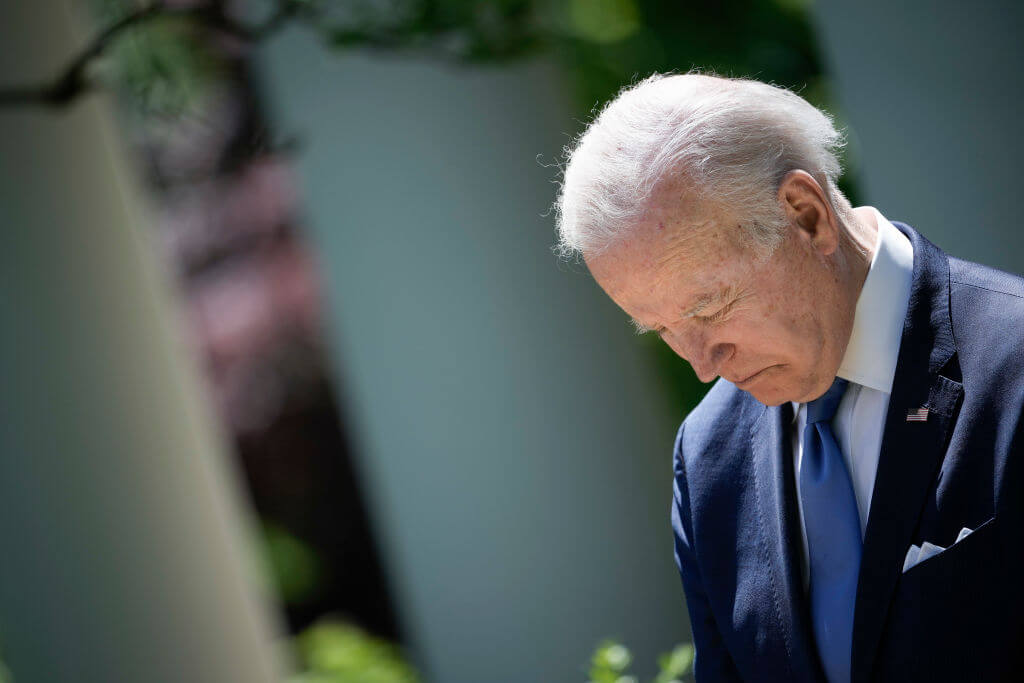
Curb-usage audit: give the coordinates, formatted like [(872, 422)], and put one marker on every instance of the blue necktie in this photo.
[(833, 535)]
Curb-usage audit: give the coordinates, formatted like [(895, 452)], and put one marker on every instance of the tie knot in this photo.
[(823, 408)]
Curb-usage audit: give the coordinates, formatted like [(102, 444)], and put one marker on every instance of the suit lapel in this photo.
[(911, 451), (776, 494)]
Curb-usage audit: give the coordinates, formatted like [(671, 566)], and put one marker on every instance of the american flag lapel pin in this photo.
[(917, 415)]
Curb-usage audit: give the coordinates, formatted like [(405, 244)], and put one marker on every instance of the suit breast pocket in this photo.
[(975, 550)]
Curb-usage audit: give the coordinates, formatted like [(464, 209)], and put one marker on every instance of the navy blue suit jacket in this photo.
[(956, 616)]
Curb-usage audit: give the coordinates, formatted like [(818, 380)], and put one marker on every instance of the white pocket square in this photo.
[(916, 555)]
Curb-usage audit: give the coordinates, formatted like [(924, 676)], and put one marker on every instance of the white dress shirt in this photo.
[(870, 365)]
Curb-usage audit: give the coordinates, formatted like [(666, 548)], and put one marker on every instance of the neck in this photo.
[(860, 238)]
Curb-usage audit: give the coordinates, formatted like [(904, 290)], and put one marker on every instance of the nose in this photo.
[(704, 354)]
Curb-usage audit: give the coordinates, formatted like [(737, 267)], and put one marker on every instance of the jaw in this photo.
[(784, 387)]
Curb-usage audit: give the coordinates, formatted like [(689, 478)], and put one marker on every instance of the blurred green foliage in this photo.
[(603, 21), (163, 70), (611, 662), (292, 565), (165, 60), (332, 651), (160, 66)]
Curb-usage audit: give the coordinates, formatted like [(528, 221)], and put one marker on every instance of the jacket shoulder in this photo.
[(975, 275), (987, 314)]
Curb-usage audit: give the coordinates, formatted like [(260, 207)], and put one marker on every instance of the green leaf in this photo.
[(609, 663), (293, 565), (676, 664), (337, 652), (604, 21)]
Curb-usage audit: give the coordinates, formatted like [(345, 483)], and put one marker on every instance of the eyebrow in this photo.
[(702, 302), (708, 300)]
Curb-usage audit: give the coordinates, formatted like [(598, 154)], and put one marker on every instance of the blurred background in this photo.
[(293, 383)]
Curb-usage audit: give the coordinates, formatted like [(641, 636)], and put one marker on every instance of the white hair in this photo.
[(732, 140)]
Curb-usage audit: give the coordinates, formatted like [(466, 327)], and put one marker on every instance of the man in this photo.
[(847, 496)]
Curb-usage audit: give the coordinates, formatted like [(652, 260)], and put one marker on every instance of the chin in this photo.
[(770, 400), (773, 389), (771, 396)]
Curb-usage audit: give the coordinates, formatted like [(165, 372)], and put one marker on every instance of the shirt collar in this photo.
[(871, 354)]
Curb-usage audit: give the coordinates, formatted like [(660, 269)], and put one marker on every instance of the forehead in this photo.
[(681, 226), (671, 225), (667, 262), (679, 235)]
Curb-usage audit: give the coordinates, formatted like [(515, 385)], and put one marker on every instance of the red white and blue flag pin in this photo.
[(917, 415)]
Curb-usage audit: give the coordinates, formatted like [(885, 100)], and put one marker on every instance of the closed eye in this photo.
[(722, 312), (717, 315)]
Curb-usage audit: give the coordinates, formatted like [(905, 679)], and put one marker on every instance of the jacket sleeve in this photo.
[(712, 663)]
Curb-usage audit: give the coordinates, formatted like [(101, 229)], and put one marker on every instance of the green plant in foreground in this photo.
[(332, 651), (335, 652), (611, 661)]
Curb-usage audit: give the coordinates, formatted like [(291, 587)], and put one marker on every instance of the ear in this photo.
[(806, 206)]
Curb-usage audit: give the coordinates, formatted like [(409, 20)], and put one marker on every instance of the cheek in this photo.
[(794, 315), (779, 334)]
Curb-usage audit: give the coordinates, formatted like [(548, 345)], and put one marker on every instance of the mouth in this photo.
[(743, 383)]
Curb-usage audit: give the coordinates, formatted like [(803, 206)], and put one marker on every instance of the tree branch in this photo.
[(73, 82)]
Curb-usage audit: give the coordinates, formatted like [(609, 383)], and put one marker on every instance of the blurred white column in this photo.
[(122, 534), (932, 92)]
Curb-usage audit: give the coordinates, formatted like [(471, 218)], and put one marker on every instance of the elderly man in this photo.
[(847, 499)]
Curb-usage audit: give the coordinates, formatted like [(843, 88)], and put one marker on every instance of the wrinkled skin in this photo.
[(775, 326)]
